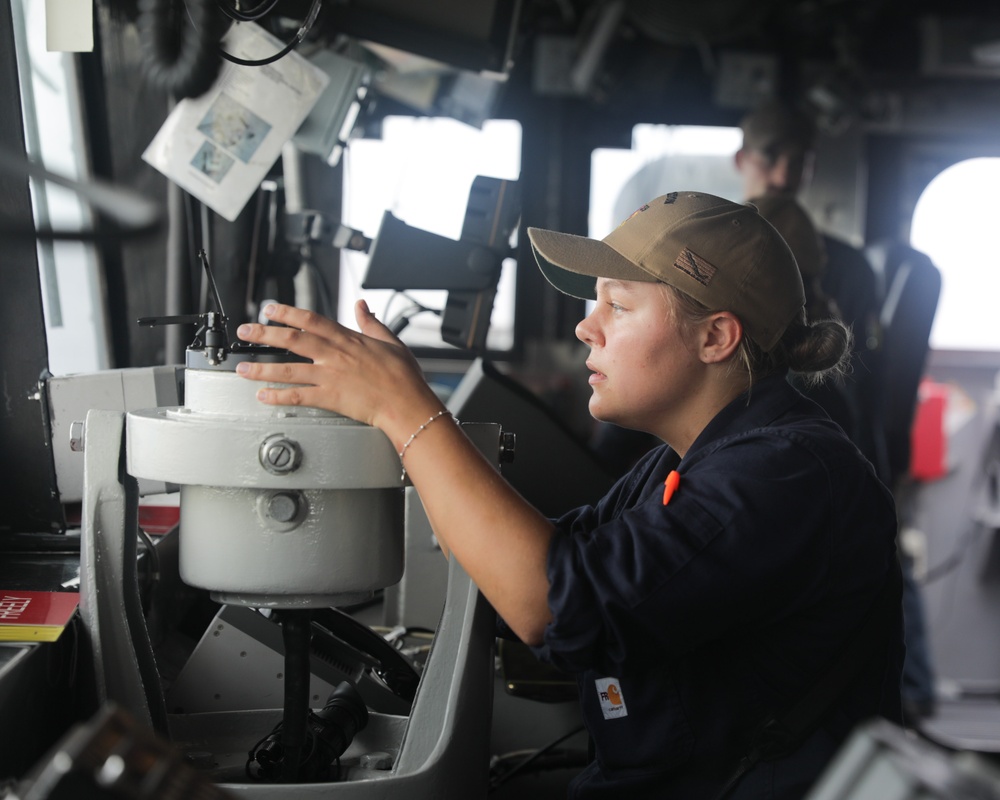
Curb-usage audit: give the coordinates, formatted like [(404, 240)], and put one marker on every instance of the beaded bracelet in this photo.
[(415, 434)]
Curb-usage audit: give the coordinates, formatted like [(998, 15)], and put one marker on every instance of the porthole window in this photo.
[(955, 223)]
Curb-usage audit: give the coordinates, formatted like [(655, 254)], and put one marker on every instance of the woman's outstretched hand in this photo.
[(369, 376), (372, 377)]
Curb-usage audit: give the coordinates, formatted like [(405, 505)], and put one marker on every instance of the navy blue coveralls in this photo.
[(688, 624)]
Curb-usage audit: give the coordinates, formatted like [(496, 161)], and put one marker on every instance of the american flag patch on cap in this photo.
[(695, 266)]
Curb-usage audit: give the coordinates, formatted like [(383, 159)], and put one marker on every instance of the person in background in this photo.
[(718, 585), (792, 221), (777, 158)]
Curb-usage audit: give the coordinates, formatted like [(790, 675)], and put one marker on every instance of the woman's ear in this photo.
[(721, 336)]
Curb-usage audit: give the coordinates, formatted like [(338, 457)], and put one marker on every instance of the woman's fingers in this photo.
[(272, 336), (367, 376), (297, 341), (311, 396), (347, 374), (302, 319), (371, 326), (281, 372), (306, 334)]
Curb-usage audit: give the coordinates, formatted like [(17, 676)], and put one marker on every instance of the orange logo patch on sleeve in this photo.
[(612, 701)]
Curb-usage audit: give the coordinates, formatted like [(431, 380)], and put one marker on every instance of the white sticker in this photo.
[(612, 701), (69, 26)]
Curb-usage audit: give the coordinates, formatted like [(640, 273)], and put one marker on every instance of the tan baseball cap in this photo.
[(723, 254)]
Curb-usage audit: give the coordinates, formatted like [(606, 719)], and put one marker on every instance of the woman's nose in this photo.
[(586, 330)]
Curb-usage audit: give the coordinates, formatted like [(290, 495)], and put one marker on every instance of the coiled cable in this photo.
[(307, 24), (250, 14), (181, 42)]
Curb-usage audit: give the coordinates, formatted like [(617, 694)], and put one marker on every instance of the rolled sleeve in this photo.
[(577, 629)]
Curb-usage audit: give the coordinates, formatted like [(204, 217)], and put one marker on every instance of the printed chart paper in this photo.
[(220, 146)]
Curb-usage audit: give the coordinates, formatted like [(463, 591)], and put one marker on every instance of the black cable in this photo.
[(267, 773), (388, 303), (417, 629), (502, 779), (402, 319), (251, 307), (154, 567), (303, 30), (207, 281), (399, 322), (252, 755), (251, 15), (181, 59), (192, 217)]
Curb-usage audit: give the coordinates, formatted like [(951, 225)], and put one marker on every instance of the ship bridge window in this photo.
[(954, 223), (663, 158), (72, 295), (422, 170)]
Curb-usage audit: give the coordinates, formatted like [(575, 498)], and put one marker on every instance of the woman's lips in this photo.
[(596, 376)]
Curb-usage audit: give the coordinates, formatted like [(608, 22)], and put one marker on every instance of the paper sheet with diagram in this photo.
[(220, 146)]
